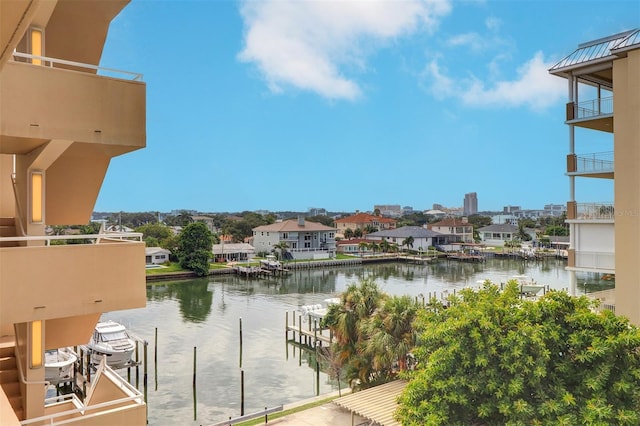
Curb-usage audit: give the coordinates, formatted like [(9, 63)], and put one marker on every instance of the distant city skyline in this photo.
[(282, 105)]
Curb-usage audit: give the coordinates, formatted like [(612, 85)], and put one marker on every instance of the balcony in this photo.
[(591, 261), (65, 100), (596, 114), (589, 212), (49, 281), (110, 400), (597, 164)]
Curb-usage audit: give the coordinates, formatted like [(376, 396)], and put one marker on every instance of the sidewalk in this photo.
[(328, 414)]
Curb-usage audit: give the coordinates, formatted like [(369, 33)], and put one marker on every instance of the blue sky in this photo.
[(286, 105)]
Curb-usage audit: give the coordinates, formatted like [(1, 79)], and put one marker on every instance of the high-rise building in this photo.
[(603, 79), (470, 205), (61, 123)]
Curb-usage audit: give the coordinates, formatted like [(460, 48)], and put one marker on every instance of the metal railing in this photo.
[(80, 413), (88, 239), (595, 211), (105, 72), (593, 108), (594, 162)]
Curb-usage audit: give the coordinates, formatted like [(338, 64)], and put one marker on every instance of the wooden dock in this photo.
[(310, 334), (462, 257)]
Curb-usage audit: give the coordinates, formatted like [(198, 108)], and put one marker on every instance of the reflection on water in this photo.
[(205, 313)]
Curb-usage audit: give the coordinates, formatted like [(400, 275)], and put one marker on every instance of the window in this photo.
[(307, 244), (331, 235), (307, 237), (294, 245), (285, 235)]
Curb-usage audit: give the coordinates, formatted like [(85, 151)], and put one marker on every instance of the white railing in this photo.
[(92, 238), (595, 260), (107, 72), (595, 211), (594, 108), (595, 162), (136, 398)]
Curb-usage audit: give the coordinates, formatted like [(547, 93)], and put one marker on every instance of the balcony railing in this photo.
[(50, 240), (595, 260), (597, 162), (595, 211), (55, 63), (591, 108)]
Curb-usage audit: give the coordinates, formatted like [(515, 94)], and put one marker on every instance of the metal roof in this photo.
[(377, 404), (597, 50)]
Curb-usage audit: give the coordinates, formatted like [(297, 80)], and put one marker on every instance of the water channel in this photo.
[(205, 314)]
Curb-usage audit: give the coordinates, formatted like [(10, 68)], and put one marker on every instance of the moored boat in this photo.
[(528, 287), (111, 339), (58, 365), (270, 262)]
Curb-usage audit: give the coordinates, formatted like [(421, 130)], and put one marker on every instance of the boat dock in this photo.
[(256, 271), (311, 334)]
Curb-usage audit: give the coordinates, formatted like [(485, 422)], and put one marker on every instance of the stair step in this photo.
[(16, 402), (7, 221), (8, 376), (7, 363), (19, 413), (7, 231), (11, 389)]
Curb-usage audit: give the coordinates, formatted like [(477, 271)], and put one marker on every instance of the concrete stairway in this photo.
[(9, 376)]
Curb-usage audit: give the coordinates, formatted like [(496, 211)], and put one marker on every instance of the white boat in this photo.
[(317, 311), (270, 262), (58, 365), (111, 339), (528, 287)]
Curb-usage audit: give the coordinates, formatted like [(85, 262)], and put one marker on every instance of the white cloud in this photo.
[(309, 45), (534, 86), (492, 23), (472, 40)]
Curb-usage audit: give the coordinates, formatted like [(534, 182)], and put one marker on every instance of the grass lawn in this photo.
[(260, 420)]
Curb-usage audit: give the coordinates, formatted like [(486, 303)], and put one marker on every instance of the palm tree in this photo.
[(391, 335), (348, 233), (363, 246), (408, 242), (344, 319), (282, 247), (385, 246)]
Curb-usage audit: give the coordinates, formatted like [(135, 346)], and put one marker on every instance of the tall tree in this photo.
[(194, 248), (357, 303)]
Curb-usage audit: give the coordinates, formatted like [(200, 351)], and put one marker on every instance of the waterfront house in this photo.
[(233, 252), (422, 238), (363, 221), (156, 255), (603, 105), (359, 246), (495, 235), (304, 239), (62, 122), (458, 229)]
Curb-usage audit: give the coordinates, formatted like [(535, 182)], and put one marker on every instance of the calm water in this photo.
[(205, 313)]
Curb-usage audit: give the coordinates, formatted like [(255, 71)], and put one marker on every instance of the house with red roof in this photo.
[(458, 229)]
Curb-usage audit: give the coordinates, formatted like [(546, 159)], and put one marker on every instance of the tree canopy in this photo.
[(194, 248), (373, 333), (491, 358)]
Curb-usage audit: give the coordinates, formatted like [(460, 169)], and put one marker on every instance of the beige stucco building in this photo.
[(61, 122), (604, 101)]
